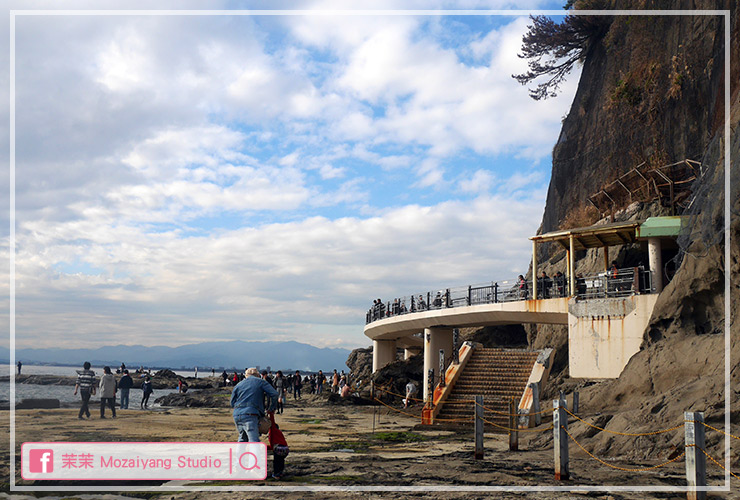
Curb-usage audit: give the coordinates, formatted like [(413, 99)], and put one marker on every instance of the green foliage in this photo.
[(552, 49), (398, 437)]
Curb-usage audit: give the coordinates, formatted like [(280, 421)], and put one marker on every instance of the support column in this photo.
[(534, 270), (384, 352), (655, 261), (410, 351), (606, 258), (434, 340), (572, 268)]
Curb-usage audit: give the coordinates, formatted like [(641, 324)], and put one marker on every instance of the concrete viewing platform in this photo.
[(606, 314)]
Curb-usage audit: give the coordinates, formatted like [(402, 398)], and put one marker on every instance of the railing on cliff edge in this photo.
[(619, 283)]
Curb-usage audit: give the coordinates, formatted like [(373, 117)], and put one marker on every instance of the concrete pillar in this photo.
[(655, 261), (384, 352), (411, 351), (435, 339), (571, 268), (606, 258)]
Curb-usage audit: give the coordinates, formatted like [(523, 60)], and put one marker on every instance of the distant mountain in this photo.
[(235, 354)]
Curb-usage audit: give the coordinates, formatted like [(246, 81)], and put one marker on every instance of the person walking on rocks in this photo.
[(297, 384), (108, 388), (125, 385), (86, 386), (280, 388), (247, 400), (146, 389)]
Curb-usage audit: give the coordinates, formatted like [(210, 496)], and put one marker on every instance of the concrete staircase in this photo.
[(495, 374)]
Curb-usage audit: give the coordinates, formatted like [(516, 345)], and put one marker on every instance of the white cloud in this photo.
[(480, 182)]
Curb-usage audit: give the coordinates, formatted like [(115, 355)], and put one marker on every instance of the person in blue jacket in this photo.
[(247, 400)]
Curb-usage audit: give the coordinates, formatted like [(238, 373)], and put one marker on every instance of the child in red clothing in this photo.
[(279, 448)]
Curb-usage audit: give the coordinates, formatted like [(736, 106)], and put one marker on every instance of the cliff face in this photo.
[(651, 90)]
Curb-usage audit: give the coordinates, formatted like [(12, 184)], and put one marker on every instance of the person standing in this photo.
[(147, 390), (335, 382), (125, 385), (86, 386), (247, 400), (280, 388), (297, 384), (196, 372), (20, 365), (108, 388), (320, 379)]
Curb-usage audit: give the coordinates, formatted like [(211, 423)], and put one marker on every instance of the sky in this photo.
[(181, 179)]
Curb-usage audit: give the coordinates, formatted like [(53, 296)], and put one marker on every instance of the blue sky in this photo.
[(182, 179)]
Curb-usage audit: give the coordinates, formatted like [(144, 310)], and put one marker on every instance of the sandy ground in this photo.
[(334, 447)]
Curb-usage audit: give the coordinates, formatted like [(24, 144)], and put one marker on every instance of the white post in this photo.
[(560, 444), (572, 267), (655, 261), (696, 462), (478, 427)]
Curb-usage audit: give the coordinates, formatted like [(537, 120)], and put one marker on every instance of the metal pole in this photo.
[(478, 427), (560, 444), (495, 293), (470, 295), (513, 426), (576, 401), (456, 346), (696, 462), (442, 368)]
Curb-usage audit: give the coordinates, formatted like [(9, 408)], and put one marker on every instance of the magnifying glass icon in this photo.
[(242, 461)]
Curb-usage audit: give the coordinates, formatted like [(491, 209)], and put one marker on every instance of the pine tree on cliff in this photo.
[(554, 48)]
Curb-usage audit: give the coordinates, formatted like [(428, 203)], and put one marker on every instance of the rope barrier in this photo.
[(516, 430), (396, 409), (713, 460), (719, 430), (622, 433), (626, 469), (507, 414)]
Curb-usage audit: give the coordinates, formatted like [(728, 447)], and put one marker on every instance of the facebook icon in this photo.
[(41, 461)]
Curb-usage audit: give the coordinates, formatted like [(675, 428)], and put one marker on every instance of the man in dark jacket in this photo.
[(125, 385)]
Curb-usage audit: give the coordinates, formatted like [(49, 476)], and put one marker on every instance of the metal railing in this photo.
[(619, 283)]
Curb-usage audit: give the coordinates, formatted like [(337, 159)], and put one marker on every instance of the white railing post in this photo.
[(560, 440), (696, 462)]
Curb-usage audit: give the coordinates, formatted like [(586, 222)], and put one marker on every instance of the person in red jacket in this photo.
[(279, 448)]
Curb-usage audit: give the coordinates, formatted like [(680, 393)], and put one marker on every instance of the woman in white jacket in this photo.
[(108, 387)]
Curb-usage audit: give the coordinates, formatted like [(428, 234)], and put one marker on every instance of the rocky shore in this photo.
[(340, 445)]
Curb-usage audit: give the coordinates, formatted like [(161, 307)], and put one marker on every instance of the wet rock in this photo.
[(37, 403), (206, 398)]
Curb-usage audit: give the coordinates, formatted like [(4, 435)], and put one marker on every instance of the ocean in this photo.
[(65, 393)]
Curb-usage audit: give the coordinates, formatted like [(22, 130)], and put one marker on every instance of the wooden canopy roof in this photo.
[(618, 233)]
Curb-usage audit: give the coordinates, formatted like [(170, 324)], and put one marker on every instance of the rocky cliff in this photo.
[(652, 91)]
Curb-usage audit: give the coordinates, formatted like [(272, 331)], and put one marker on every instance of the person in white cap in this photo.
[(247, 400)]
